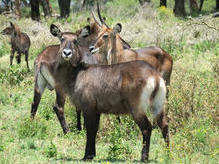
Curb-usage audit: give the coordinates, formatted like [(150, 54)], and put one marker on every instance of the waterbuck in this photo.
[(126, 88), (48, 57), (47, 74), (111, 46), (20, 43)]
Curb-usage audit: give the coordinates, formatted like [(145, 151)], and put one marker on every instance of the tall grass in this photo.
[(192, 104)]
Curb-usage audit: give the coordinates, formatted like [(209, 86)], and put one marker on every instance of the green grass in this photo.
[(193, 98)]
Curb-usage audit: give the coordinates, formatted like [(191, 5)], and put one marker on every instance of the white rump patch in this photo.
[(159, 99), (146, 93)]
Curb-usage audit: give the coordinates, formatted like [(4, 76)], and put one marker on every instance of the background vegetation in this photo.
[(193, 98)]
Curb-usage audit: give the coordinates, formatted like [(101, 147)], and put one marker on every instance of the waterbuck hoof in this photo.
[(88, 158), (79, 128), (65, 131), (144, 159)]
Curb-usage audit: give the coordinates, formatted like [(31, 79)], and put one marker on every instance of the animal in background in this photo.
[(20, 43)]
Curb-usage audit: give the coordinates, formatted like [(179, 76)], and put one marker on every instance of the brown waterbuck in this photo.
[(48, 57), (20, 43), (126, 88), (47, 74), (111, 46)]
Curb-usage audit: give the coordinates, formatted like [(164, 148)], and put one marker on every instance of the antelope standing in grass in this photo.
[(111, 46), (47, 74), (20, 43), (48, 57), (126, 88)]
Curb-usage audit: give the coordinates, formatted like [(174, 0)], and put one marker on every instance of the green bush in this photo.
[(31, 144), (51, 150), (32, 128), (119, 146), (14, 75), (4, 49)]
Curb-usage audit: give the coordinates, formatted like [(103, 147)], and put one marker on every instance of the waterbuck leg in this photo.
[(91, 125), (38, 91), (26, 59), (18, 58), (146, 129), (162, 123), (36, 101), (11, 56), (78, 119), (59, 110), (118, 118)]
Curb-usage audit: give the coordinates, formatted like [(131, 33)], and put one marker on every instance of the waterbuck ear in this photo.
[(55, 31), (117, 28), (85, 31), (12, 25), (90, 20)]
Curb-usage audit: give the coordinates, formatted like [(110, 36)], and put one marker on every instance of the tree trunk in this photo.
[(64, 7), (35, 12), (193, 6), (179, 8), (163, 3), (46, 8), (201, 4), (82, 4), (17, 8), (217, 5), (142, 2)]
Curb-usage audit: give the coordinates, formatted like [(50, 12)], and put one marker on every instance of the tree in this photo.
[(17, 8), (163, 3), (46, 8), (217, 5), (142, 2), (64, 7), (201, 4), (179, 8), (35, 12), (193, 6)]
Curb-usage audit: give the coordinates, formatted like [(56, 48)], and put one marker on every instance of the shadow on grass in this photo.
[(111, 160)]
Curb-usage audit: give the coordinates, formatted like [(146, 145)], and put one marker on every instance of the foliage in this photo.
[(28, 128), (192, 103), (118, 144), (51, 150), (14, 76)]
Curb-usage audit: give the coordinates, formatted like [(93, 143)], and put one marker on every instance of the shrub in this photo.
[(51, 150), (119, 147), (14, 75), (32, 128)]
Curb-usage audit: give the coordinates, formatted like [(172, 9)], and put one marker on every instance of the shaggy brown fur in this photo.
[(127, 88), (20, 43)]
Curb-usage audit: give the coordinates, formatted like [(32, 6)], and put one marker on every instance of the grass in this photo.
[(193, 99)]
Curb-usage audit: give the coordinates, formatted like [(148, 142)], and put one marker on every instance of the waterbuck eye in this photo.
[(105, 36), (62, 40), (75, 41)]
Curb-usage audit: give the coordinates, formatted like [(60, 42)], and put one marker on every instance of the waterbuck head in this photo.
[(104, 34), (11, 30), (106, 40), (7, 31), (69, 45)]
